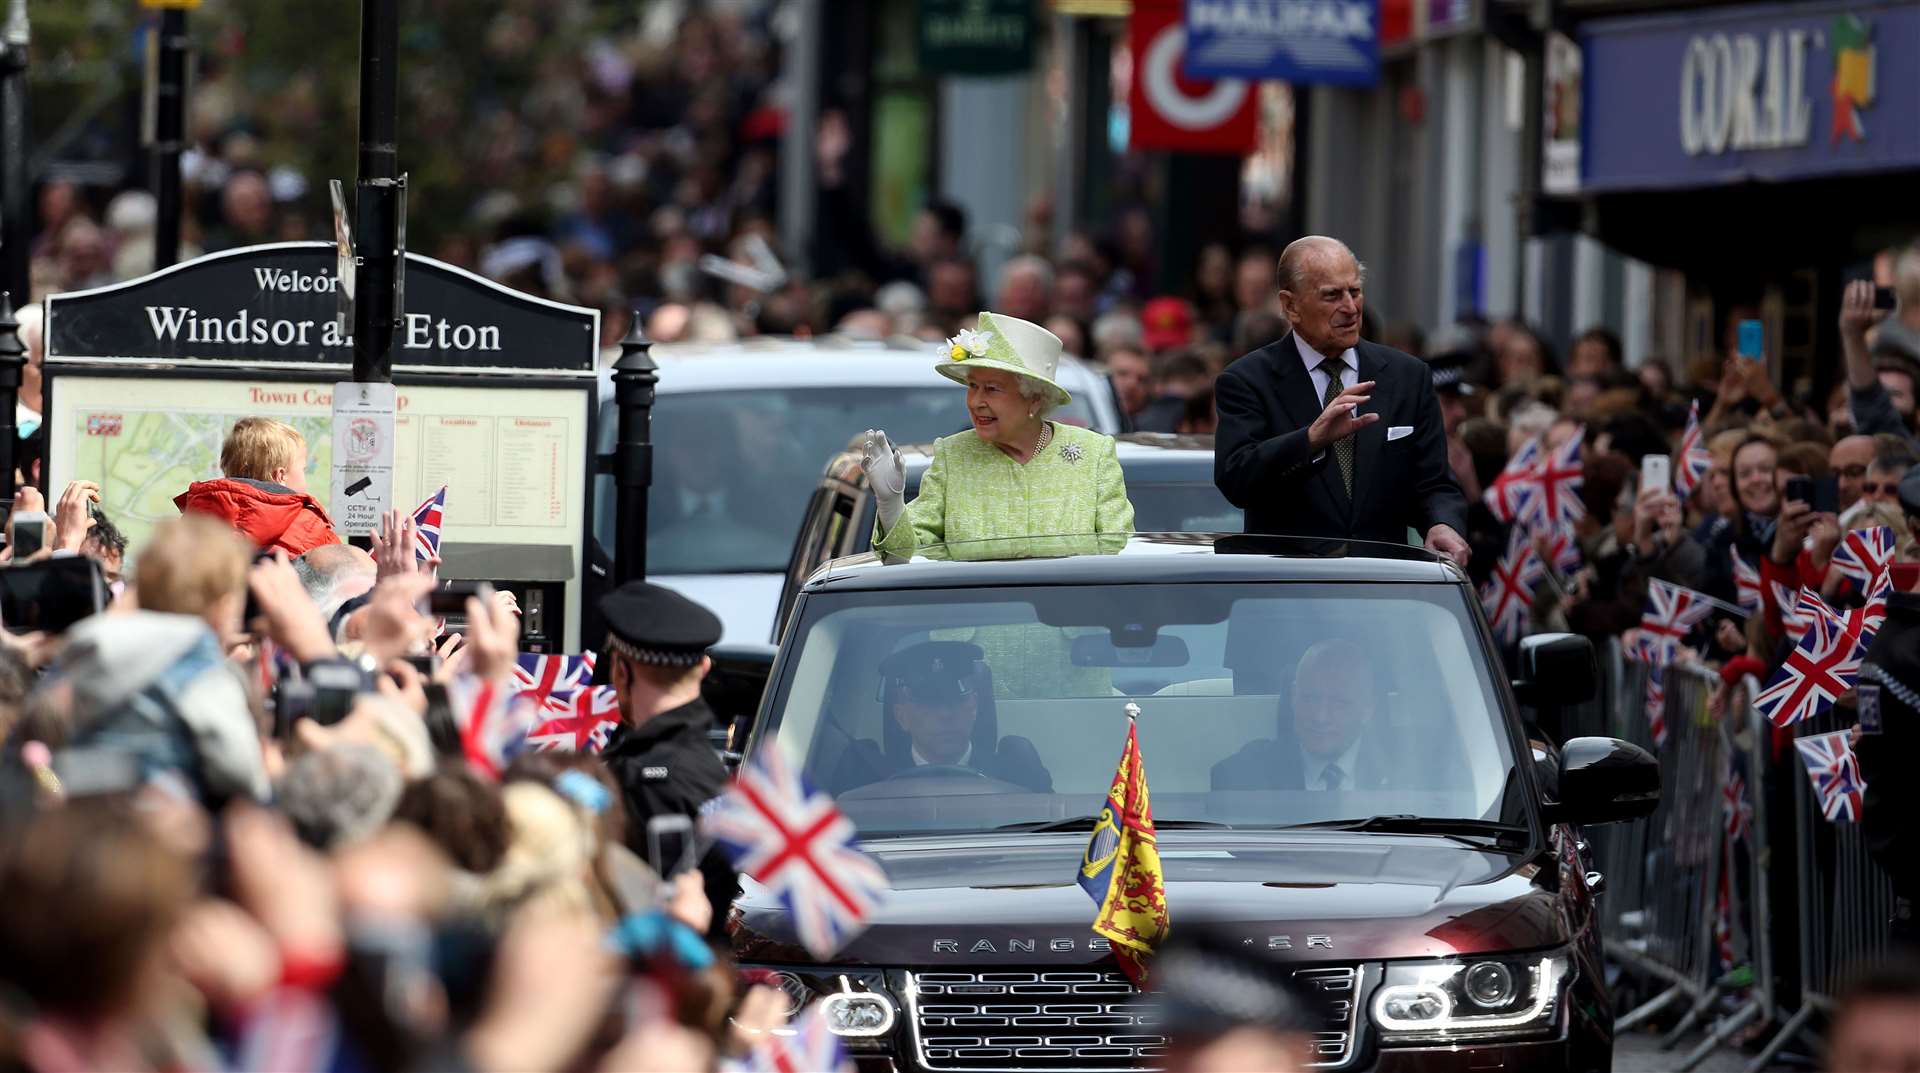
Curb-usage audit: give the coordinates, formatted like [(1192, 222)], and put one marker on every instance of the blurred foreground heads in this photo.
[(1226, 1009)]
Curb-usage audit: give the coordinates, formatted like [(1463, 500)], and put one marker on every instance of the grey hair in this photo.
[(1034, 391), (1290, 274), (341, 795), (1028, 262)]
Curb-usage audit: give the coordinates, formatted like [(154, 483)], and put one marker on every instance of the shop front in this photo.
[(1768, 151)]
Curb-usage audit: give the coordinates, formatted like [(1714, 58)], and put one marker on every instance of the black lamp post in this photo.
[(634, 378)]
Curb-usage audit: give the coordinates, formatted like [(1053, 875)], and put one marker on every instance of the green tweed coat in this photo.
[(974, 492)]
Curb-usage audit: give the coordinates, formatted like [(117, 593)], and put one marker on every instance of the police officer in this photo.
[(655, 657)]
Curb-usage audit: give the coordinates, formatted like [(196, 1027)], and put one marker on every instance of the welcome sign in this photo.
[(277, 304)]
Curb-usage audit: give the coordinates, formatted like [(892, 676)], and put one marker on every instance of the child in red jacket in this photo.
[(264, 493)]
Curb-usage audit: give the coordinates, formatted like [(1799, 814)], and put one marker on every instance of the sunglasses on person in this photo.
[(1874, 488), (1852, 473)]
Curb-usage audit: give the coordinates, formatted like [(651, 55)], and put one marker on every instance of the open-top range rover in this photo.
[(1338, 772)]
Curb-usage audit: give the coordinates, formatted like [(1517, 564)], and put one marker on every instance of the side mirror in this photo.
[(1605, 780), (733, 690), (1556, 669)]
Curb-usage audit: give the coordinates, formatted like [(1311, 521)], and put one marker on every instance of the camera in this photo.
[(51, 594), (324, 694)]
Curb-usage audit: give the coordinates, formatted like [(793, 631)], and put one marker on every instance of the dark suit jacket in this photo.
[(1015, 761), (1263, 464), (1274, 764)]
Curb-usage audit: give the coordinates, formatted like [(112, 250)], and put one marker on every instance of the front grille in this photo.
[(1084, 1021)]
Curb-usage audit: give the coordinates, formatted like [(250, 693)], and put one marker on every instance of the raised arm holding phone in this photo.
[(1867, 398)]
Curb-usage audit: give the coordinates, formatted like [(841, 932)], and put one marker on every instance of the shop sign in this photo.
[(1326, 42), (976, 37), (1769, 93)]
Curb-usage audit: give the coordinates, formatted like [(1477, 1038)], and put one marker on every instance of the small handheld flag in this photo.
[(1508, 594), (1695, 460), (794, 840), (1834, 773), (1120, 869), (427, 518), (493, 722)]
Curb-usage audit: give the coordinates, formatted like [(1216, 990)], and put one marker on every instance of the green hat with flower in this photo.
[(1010, 345)]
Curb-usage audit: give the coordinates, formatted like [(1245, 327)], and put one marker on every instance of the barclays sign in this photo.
[(1776, 92)]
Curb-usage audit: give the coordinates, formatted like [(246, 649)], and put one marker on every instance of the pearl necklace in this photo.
[(1046, 437)]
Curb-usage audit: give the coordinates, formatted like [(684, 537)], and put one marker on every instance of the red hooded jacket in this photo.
[(271, 515)]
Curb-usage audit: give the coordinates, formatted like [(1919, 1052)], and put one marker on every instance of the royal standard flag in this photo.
[(1121, 868)]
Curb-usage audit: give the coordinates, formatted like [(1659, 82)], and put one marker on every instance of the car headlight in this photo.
[(857, 1005), (1470, 998)]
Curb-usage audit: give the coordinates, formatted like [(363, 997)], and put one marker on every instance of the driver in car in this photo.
[(938, 718), (1328, 743)]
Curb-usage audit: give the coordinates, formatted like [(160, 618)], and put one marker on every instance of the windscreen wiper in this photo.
[(1086, 823), (1406, 823)]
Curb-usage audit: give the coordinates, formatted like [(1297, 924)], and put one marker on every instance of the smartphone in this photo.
[(451, 597), (670, 846), (51, 594), (1826, 495), (97, 772), (1753, 341), (1656, 471), (29, 533), (1800, 488), (1866, 696), (252, 609), (1883, 298)]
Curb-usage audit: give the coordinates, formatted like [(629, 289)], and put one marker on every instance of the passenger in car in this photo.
[(937, 714), (1016, 482), (1326, 744)]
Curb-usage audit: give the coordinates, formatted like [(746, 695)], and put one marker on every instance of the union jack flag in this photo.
[(1797, 611), (1695, 460), (1657, 703), (1508, 594), (792, 838), (1818, 670), (578, 723), (1672, 613), (1560, 477), (1835, 774), (493, 722), (1746, 583), (1723, 921), (809, 1047), (1563, 551), (1735, 809), (426, 520), (1864, 554), (542, 677), (1509, 493)]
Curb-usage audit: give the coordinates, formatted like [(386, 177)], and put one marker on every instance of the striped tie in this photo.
[(1342, 448)]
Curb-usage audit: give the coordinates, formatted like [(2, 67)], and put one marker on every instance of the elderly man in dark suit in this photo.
[(1295, 450)]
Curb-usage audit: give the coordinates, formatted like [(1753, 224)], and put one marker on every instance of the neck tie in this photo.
[(1342, 448), (1332, 777)]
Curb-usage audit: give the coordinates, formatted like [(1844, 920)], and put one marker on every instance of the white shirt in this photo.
[(1349, 372), (1314, 768), (921, 761)]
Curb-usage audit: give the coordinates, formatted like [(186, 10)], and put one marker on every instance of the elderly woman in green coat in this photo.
[(1017, 479), (1016, 486)]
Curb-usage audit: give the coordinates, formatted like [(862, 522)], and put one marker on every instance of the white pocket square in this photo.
[(1395, 432)]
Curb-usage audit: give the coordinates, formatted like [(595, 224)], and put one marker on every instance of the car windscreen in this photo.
[(733, 469), (973, 709)]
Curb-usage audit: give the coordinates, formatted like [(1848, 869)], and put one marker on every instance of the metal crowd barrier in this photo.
[(1661, 918), (1845, 904)]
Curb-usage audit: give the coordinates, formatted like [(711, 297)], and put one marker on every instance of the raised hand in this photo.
[(1341, 417)]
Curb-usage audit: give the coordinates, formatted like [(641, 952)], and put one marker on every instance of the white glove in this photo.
[(886, 475)]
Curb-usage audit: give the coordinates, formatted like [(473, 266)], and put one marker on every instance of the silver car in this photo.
[(740, 433)]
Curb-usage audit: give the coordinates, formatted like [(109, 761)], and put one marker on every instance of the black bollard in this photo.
[(13, 360), (634, 377)]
